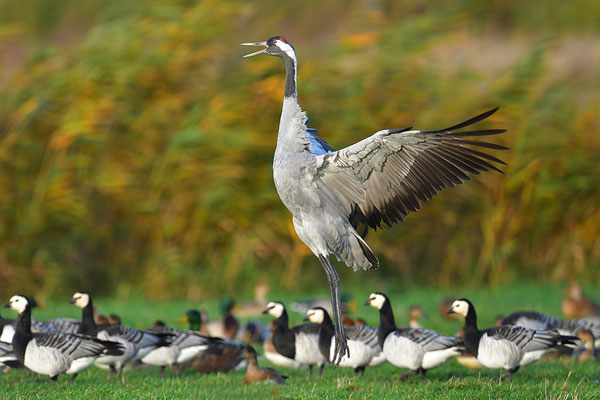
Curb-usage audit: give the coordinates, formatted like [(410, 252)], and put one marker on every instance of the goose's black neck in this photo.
[(23, 334), (88, 325), (472, 333), (291, 90), (387, 324), (326, 333), (283, 338)]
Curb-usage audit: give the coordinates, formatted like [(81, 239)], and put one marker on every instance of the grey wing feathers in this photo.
[(428, 339), (65, 325), (179, 338), (529, 339), (75, 346), (139, 338), (391, 173), (530, 319), (364, 334)]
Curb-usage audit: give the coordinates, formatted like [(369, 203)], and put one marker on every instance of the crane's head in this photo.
[(275, 46)]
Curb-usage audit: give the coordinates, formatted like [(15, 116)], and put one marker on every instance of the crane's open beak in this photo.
[(263, 51)]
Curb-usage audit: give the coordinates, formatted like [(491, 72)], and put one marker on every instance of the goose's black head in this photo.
[(275, 46)]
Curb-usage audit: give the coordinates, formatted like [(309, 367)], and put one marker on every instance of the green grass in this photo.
[(553, 379)]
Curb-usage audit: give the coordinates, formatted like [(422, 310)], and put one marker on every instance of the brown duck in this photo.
[(255, 373)]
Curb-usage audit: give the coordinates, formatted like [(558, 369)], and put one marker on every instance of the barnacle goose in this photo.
[(539, 321), (54, 353), (273, 356), (416, 349), (254, 373), (362, 341), (506, 346), (136, 343), (300, 343), (184, 347)]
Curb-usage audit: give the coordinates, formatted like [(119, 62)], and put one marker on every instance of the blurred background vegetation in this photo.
[(136, 143)]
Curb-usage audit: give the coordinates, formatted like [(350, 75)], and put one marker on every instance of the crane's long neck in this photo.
[(291, 66)]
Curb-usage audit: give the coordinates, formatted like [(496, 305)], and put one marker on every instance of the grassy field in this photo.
[(554, 379)]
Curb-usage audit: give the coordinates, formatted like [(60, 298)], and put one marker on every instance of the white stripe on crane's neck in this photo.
[(291, 67)]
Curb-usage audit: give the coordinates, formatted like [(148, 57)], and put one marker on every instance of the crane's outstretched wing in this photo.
[(391, 173)]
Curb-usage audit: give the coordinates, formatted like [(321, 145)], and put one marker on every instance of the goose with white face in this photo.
[(376, 300), (17, 303), (459, 307), (81, 300), (315, 315), (274, 309)]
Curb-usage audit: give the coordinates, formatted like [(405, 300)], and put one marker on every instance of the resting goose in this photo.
[(416, 349), (362, 341), (184, 347), (54, 353), (255, 374), (539, 321), (507, 346), (300, 343), (136, 343)]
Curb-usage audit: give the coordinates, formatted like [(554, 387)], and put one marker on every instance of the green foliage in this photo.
[(135, 155)]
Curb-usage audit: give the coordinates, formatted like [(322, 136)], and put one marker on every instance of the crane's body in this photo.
[(336, 196)]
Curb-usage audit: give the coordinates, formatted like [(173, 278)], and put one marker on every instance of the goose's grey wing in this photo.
[(428, 339), (529, 339), (531, 320), (73, 345), (65, 325), (139, 338), (391, 173), (364, 334)]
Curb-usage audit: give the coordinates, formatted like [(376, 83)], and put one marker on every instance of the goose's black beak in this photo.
[(367, 303), (7, 305), (305, 319), (256, 53), (71, 301), (450, 311)]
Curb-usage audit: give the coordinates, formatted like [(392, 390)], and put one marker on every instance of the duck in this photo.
[(137, 344), (414, 313), (587, 351), (507, 346), (416, 349), (54, 353), (273, 356), (363, 343), (222, 355), (196, 321), (255, 307), (228, 327), (256, 374), (184, 347), (577, 305), (300, 343)]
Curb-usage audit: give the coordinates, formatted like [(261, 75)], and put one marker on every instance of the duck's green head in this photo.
[(194, 318)]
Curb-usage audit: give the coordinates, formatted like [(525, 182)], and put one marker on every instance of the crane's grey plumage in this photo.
[(336, 196)]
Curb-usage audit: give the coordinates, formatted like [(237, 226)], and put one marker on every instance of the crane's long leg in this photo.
[(333, 278)]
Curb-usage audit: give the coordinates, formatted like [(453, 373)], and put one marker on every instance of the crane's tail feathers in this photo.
[(369, 255)]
